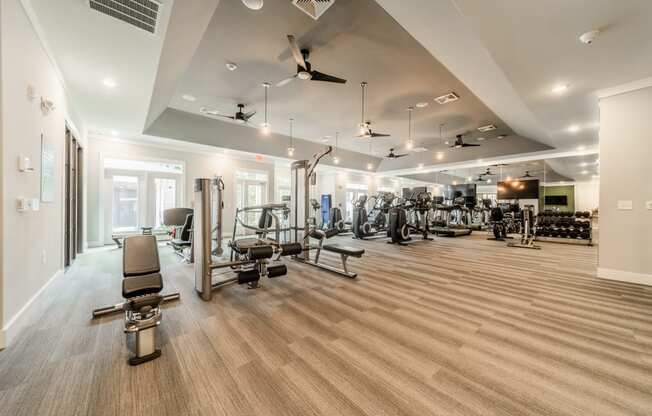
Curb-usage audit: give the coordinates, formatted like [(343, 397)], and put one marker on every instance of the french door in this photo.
[(250, 193)]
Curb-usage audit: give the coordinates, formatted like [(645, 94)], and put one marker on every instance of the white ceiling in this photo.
[(88, 47), (356, 40), (502, 57), (525, 48)]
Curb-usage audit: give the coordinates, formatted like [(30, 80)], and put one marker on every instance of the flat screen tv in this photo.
[(468, 192), (561, 200), (518, 189)]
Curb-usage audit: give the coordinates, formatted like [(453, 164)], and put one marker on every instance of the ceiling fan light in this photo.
[(266, 129), (290, 151), (336, 160), (303, 75)]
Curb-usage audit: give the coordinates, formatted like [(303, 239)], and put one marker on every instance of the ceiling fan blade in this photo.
[(469, 145), (403, 155), (286, 81), (296, 52), (247, 116), (380, 135), (318, 76), (214, 113)]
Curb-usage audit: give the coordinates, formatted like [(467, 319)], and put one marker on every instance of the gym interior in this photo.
[(336, 207)]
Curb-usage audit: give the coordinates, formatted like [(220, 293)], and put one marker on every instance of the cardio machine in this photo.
[(411, 217)]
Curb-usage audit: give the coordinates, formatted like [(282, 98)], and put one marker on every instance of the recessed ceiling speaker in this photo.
[(253, 4)]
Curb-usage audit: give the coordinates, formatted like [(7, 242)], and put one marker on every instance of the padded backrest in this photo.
[(140, 256), (176, 217), (265, 220), (187, 227), (336, 215)]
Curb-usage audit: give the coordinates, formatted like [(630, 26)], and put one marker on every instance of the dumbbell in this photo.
[(563, 233), (585, 234), (554, 232), (573, 233)]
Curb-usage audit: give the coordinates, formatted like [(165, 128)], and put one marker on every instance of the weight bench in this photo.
[(344, 251), (141, 287)]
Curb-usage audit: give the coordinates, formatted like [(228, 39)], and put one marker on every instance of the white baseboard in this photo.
[(94, 244), (624, 276), (2, 340), (15, 324)]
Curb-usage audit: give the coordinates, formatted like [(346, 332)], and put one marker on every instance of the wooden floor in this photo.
[(451, 327)]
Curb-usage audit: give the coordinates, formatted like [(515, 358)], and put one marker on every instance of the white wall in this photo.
[(587, 195), (625, 251), (197, 165), (35, 252)]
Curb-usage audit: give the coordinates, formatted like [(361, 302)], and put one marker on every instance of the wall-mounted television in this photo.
[(561, 200), (518, 189)]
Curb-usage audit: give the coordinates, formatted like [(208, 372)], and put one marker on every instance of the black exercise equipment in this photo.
[(141, 287)]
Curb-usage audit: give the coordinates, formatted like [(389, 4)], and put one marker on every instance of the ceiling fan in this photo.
[(240, 116), (527, 175), (459, 143), (304, 69), (488, 173), (365, 126), (393, 155)]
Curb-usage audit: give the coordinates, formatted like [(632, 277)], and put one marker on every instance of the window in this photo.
[(165, 197), (125, 203), (353, 193), (250, 190)]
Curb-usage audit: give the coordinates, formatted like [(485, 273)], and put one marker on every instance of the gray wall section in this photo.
[(2, 164), (625, 163), (180, 125)]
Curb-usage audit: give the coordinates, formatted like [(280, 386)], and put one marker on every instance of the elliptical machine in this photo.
[(399, 228), (497, 227), (360, 224)]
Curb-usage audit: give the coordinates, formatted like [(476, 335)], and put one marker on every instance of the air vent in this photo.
[(313, 8), (140, 13), (488, 127), (447, 98), (419, 150)]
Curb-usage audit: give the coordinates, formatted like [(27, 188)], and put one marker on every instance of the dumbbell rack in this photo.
[(565, 228)]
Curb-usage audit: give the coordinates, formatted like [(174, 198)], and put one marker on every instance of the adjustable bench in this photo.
[(141, 289), (344, 251)]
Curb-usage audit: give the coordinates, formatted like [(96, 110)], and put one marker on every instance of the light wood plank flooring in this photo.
[(451, 327)]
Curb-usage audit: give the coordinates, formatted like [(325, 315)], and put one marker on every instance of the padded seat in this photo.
[(141, 285), (349, 251), (244, 244), (180, 243)]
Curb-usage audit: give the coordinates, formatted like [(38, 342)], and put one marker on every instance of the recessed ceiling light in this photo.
[(109, 83), (189, 97), (560, 89), (370, 166), (488, 127), (253, 4), (574, 128), (114, 133), (447, 142), (585, 172), (502, 136), (422, 105), (440, 155), (480, 139), (454, 182), (231, 66)]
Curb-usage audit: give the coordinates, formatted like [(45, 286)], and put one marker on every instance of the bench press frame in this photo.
[(344, 271)]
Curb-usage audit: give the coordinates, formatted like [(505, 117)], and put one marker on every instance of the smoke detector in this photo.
[(313, 8), (589, 36), (447, 98)]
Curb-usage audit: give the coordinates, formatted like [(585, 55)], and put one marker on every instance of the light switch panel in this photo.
[(648, 205), (625, 205)]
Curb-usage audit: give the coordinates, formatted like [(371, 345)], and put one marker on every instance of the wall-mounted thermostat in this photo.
[(25, 164), (28, 204)]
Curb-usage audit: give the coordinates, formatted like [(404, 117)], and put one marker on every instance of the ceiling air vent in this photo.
[(140, 13), (313, 8), (447, 98), (488, 127)]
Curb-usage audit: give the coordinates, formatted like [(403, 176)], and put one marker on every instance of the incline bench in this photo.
[(141, 287)]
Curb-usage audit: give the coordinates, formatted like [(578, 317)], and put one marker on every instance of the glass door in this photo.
[(125, 210)]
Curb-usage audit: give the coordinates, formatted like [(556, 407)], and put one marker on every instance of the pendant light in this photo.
[(370, 166), (266, 128), (363, 123), (410, 143), (336, 159), (291, 148)]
